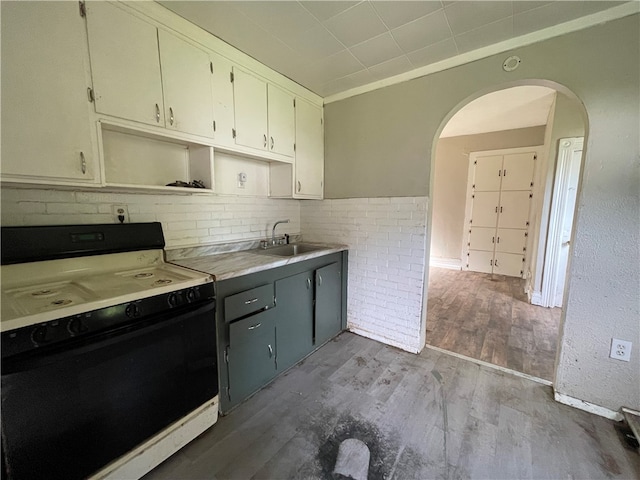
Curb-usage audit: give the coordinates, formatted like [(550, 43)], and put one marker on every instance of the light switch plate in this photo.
[(620, 349)]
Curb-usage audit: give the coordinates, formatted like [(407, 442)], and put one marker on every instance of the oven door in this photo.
[(67, 413)]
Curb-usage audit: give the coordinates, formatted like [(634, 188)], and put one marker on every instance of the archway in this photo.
[(470, 311)]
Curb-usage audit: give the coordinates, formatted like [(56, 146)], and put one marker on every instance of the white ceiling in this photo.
[(333, 46), (508, 109)]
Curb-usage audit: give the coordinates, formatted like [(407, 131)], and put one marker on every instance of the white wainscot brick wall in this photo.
[(187, 220), (387, 259)]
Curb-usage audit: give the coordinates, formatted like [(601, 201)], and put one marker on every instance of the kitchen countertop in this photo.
[(223, 266)]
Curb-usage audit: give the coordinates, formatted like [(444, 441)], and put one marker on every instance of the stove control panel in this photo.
[(76, 327)]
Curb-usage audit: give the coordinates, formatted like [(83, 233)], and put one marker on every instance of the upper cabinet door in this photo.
[(250, 106), (124, 64), (223, 100), (186, 80), (46, 131), (281, 121), (309, 165)]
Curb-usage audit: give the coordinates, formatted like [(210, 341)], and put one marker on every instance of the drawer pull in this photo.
[(249, 302), (270, 351), (253, 327)]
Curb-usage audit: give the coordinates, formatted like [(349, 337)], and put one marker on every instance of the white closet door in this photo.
[(511, 240), (488, 171), (485, 209), (482, 238), (509, 264), (480, 261), (517, 171), (514, 209)]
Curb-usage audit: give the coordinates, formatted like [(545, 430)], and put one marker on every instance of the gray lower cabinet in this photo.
[(328, 306), (294, 329), (251, 353), (267, 321)]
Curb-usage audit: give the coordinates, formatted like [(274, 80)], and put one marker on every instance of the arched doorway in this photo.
[(488, 316)]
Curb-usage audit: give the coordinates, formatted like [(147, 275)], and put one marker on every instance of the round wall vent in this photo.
[(511, 63)]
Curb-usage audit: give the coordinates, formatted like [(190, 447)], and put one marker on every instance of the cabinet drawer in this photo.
[(247, 302)]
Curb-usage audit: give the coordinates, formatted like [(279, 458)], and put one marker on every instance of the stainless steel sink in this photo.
[(290, 250)]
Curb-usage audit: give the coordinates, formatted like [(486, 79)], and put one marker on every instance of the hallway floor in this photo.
[(421, 416), (487, 317)]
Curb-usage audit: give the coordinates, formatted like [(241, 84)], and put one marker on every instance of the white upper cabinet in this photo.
[(145, 74), (46, 133), (250, 107), (186, 81), (124, 64), (309, 166), (223, 100), (264, 115), (281, 121)]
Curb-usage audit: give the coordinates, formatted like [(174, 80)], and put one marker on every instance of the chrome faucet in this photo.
[(273, 231)]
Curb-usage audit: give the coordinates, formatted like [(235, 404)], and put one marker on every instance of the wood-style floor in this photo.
[(487, 317), (423, 416)]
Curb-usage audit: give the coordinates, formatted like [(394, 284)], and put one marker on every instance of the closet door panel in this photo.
[(488, 173), (485, 209), (482, 238), (511, 240), (514, 209), (509, 264), (480, 261), (517, 171)]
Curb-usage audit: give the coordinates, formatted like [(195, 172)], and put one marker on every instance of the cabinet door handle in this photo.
[(270, 351), (265, 140), (504, 172), (83, 163), (171, 115), (253, 300), (157, 113), (496, 209), (499, 173), (299, 186), (491, 262), (495, 263), (498, 239), (308, 283), (253, 327), (500, 209), (271, 143), (319, 279), (493, 239)]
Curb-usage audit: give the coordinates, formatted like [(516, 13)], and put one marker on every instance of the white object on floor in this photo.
[(353, 459)]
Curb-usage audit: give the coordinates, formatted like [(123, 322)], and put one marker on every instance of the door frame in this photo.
[(566, 149), (534, 226)]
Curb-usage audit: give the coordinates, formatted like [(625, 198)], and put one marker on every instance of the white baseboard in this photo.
[(536, 298), (450, 263), (587, 407)]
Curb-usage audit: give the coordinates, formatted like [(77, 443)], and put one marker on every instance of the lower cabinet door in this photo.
[(480, 261), (328, 303), (251, 354), (294, 330)]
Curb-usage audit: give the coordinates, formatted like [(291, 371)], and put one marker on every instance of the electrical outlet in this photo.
[(242, 179), (620, 349), (120, 213)]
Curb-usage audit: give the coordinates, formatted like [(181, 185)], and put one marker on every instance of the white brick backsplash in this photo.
[(187, 220), (387, 259)]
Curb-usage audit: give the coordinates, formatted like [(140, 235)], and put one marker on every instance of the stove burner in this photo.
[(143, 275), (162, 281), (43, 293), (64, 301)]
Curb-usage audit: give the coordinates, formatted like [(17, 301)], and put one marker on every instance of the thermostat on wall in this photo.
[(511, 63)]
